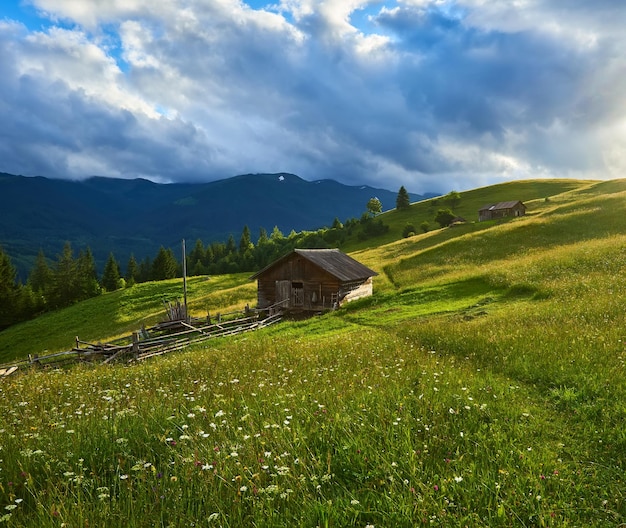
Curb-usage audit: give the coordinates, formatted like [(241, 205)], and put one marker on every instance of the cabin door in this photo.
[(297, 294), (283, 293)]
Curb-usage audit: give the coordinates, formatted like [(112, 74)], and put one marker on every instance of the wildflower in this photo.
[(243, 489), (435, 487), (354, 502), (219, 413), (123, 477), (213, 516), (10, 507), (458, 479)]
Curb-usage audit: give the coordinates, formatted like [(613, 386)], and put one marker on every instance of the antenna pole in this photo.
[(185, 281)]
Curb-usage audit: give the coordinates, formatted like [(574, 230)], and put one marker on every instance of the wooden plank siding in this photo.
[(303, 281), (501, 210)]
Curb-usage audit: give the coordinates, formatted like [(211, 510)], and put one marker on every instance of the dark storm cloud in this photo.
[(428, 94)]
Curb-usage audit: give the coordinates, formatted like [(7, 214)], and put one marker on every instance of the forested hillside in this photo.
[(137, 217)]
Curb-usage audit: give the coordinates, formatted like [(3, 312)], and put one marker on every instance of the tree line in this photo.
[(69, 279)]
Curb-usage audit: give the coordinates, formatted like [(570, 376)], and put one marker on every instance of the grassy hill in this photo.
[(482, 385)]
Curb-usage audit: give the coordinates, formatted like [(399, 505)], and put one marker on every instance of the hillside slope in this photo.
[(483, 384)]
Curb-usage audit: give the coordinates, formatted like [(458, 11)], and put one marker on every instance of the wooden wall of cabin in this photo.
[(320, 288)]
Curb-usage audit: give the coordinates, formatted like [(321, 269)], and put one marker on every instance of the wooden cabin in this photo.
[(312, 280), (501, 210)]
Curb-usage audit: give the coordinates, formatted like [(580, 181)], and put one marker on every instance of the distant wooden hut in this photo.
[(312, 280), (501, 210)]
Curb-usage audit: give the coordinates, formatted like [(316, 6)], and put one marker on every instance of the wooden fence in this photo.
[(165, 337)]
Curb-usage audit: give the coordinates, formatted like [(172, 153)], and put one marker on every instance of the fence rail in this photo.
[(165, 337)]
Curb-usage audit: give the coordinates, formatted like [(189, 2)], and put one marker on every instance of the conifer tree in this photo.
[(40, 278), (230, 245), (403, 201), (276, 234), (245, 241), (132, 271), (145, 270), (65, 283), (87, 276), (198, 253), (165, 265), (111, 274), (9, 291)]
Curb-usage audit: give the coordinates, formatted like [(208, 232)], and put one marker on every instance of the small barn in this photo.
[(312, 280), (501, 210)]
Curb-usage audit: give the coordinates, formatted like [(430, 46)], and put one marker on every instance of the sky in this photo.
[(435, 95)]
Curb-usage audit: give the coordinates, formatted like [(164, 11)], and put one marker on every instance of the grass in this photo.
[(482, 385), (122, 312)]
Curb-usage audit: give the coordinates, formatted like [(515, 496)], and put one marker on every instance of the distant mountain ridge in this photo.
[(138, 216)]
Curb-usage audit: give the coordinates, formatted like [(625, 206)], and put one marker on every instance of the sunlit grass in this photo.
[(124, 311)]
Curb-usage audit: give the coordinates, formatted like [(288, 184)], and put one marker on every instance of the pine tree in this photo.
[(276, 234), (245, 241), (262, 237), (87, 275), (65, 284), (145, 270), (231, 247), (403, 201), (132, 271), (165, 265), (9, 291), (40, 278), (111, 274), (198, 253)]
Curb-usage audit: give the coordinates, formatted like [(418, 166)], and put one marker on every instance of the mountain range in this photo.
[(138, 216)]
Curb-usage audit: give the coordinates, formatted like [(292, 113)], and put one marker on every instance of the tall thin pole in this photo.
[(185, 281)]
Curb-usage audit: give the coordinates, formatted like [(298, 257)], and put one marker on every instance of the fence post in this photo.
[(135, 345)]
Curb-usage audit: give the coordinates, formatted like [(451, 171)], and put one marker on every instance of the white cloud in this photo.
[(414, 92)]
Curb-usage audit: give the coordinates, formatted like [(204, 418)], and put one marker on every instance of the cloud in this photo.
[(430, 94)]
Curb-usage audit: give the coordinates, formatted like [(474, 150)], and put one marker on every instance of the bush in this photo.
[(444, 217), (408, 230)]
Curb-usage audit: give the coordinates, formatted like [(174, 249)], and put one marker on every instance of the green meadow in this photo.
[(483, 384)]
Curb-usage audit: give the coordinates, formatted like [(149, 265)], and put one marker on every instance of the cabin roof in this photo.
[(338, 264), (500, 205)]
